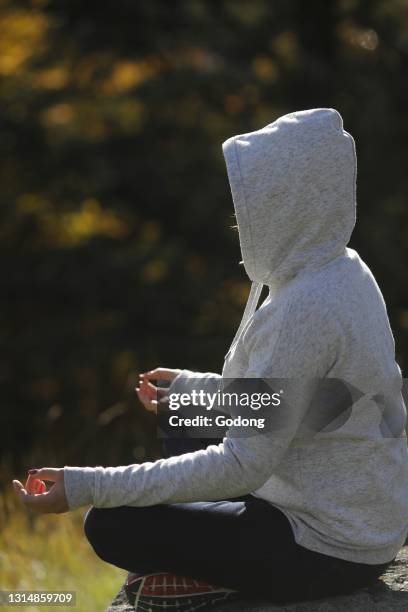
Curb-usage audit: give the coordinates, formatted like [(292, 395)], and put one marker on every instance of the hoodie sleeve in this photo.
[(237, 466), (204, 377)]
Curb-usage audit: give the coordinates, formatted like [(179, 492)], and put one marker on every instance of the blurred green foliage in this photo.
[(116, 248)]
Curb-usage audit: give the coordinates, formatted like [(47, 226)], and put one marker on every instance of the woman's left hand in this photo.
[(52, 501)]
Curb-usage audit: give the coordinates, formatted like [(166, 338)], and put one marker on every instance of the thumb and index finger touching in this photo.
[(48, 474)]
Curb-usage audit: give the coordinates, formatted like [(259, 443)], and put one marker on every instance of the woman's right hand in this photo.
[(148, 393)]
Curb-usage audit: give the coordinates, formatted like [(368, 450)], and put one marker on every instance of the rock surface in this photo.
[(390, 595)]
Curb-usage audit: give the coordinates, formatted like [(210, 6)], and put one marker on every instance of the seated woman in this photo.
[(320, 509)]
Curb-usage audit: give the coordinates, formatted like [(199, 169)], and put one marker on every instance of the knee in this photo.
[(95, 523)]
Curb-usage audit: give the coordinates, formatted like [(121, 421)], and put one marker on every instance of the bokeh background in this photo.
[(117, 252)]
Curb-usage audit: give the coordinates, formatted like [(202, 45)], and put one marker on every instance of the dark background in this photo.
[(116, 248)]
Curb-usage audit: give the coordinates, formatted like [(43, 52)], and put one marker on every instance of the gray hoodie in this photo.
[(343, 487)]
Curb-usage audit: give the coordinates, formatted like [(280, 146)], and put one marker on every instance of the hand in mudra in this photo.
[(148, 393), (35, 496)]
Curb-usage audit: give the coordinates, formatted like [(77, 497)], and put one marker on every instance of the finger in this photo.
[(144, 394), (156, 393), (19, 489), (151, 406), (51, 474), (161, 373), (141, 393), (144, 398), (150, 389)]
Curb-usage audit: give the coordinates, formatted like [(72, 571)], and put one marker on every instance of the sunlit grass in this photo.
[(50, 552)]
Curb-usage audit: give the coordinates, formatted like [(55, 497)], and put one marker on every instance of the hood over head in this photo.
[(293, 184)]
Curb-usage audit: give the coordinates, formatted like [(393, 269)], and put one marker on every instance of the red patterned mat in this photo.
[(164, 591)]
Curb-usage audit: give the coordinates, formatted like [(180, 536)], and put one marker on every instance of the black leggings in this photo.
[(244, 544)]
